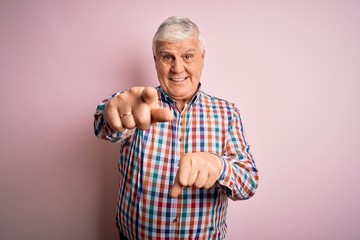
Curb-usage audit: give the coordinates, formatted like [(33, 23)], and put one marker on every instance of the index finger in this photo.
[(176, 188), (184, 170), (150, 96), (182, 176)]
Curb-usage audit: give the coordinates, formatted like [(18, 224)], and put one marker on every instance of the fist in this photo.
[(199, 169), (136, 108)]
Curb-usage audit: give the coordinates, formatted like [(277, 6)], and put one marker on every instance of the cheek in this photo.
[(197, 70), (162, 70)]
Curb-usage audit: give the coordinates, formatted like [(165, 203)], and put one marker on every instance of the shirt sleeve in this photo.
[(102, 129), (239, 176)]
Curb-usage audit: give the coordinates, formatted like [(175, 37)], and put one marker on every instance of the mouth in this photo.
[(178, 79)]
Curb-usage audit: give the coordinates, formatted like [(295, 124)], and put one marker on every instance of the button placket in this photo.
[(181, 124)]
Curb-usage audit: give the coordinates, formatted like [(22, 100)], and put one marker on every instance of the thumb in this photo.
[(176, 188)]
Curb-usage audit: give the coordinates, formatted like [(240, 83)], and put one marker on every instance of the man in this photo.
[(183, 152)]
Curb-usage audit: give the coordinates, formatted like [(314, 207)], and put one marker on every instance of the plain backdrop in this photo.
[(292, 67)]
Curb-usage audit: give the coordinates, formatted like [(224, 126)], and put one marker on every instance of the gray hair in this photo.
[(177, 28)]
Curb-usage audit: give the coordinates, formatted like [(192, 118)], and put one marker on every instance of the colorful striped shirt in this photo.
[(149, 162)]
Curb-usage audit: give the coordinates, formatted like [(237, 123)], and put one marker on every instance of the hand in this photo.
[(200, 169), (137, 107)]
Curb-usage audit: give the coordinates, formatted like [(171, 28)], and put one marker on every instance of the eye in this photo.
[(167, 58), (188, 58)]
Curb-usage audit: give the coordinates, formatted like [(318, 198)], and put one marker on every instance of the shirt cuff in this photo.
[(224, 167), (222, 183)]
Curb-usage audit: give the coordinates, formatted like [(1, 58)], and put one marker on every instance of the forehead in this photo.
[(177, 46)]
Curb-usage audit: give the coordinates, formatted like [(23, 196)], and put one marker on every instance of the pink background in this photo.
[(292, 67)]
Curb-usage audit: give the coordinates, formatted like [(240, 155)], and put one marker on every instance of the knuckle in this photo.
[(132, 90), (110, 104), (120, 97), (135, 90)]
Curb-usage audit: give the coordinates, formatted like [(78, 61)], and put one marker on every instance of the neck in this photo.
[(180, 105)]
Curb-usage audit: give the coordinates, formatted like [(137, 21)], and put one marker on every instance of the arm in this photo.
[(239, 176), (234, 173)]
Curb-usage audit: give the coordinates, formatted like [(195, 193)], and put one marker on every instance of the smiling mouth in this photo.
[(178, 79)]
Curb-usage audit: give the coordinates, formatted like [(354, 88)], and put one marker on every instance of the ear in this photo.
[(203, 55)]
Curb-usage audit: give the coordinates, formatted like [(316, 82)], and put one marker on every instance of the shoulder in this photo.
[(216, 102)]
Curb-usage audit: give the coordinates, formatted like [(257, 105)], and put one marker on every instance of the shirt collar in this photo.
[(165, 97)]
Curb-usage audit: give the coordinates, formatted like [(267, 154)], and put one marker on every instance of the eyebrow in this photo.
[(191, 50)]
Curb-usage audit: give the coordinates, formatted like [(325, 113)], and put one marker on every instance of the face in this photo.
[(179, 65)]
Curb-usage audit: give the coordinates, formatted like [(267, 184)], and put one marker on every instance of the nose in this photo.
[(177, 66)]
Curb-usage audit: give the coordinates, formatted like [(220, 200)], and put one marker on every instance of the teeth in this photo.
[(178, 79)]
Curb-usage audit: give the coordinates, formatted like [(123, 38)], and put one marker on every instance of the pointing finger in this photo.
[(150, 96), (176, 189), (182, 176), (161, 115), (184, 170)]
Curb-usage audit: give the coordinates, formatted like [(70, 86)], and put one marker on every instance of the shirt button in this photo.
[(180, 139), (175, 220)]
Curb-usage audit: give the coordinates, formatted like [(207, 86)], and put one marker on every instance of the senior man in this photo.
[(182, 151)]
